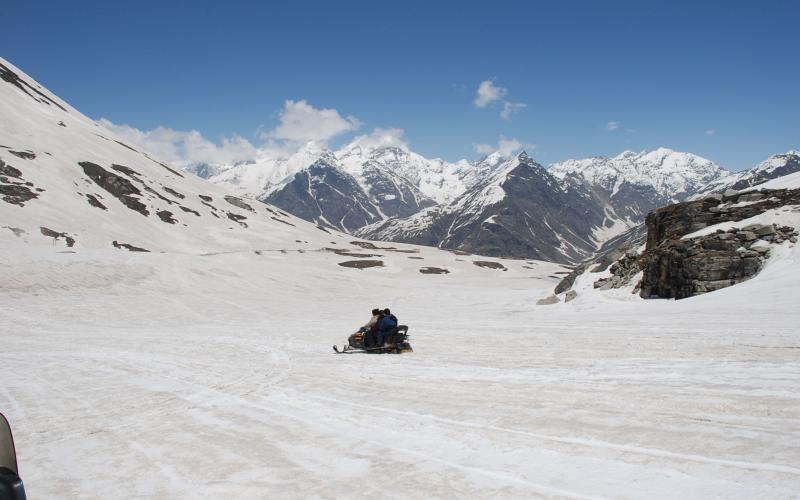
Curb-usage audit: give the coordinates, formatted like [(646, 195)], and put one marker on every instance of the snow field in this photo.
[(185, 376)]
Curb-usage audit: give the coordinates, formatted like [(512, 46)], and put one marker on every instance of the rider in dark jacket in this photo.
[(387, 326)]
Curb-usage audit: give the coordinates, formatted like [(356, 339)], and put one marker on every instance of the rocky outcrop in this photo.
[(675, 221), (685, 268), (678, 268), (120, 187), (622, 271)]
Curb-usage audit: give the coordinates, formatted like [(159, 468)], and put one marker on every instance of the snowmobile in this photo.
[(11, 487), (363, 341)]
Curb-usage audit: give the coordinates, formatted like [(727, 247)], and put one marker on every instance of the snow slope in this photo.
[(57, 150), (181, 376)]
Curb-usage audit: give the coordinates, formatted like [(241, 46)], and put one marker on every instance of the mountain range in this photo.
[(504, 205)]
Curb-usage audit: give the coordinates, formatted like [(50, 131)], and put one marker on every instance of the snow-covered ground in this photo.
[(169, 375)]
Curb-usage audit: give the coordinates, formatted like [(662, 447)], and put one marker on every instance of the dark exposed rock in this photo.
[(16, 194), (283, 221), (25, 155), (120, 187), (11, 77), (189, 210), (56, 235), (237, 218), (93, 201), (128, 247), (680, 269), (489, 265), (568, 280), (368, 245), (347, 253), (434, 270), (166, 216), (62, 124), (8, 170), (238, 202), (174, 193), (622, 271), (418, 258), (125, 145), (361, 264), (126, 170), (204, 197)]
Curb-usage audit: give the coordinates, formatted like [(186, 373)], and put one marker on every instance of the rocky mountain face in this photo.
[(325, 194), (520, 210)]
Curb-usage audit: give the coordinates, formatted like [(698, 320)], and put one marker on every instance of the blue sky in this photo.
[(720, 79)]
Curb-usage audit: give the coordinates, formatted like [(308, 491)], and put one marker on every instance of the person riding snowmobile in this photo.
[(387, 326)]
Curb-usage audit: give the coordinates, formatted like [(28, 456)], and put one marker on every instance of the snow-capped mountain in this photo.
[(636, 183), (772, 168), (369, 184), (520, 210), (395, 181), (65, 180)]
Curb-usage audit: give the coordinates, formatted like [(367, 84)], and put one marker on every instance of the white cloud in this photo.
[(382, 137), (612, 126), (509, 108), (711, 131), (301, 122), (505, 147), (488, 93), (300, 125), (182, 148)]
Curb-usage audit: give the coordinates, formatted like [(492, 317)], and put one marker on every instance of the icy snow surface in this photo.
[(189, 376)]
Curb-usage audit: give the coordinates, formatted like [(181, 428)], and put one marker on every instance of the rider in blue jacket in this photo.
[(387, 326)]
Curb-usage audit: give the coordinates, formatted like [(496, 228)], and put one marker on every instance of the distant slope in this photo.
[(64, 180)]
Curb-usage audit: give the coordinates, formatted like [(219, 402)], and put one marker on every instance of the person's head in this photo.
[(376, 312), (387, 311)]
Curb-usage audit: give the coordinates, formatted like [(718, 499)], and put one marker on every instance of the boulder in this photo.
[(729, 194), (760, 246), (570, 295), (552, 299), (749, 197), (746, 236)]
